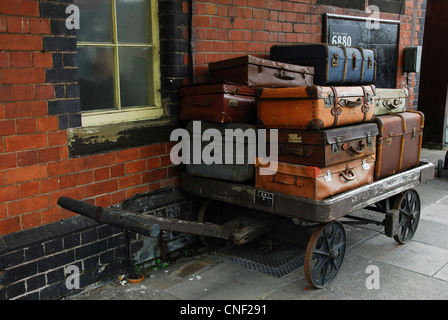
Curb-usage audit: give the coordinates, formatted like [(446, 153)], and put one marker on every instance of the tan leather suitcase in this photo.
[(218, 102), (399, 142), (314, 107), (314, 182), (326, 147), (258, 72)]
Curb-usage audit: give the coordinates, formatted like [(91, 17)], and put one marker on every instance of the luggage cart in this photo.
[(394, 197)]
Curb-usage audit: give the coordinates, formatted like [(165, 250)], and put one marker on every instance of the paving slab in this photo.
[(394, 283), (435, 212), (442, 273), (413, 256), (225, 281), (432, 233)]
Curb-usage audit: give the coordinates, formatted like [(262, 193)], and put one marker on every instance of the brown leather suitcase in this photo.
[(314, 107), (327, 147), (258, 72), (314, 182), (218, 102), (399, 142)]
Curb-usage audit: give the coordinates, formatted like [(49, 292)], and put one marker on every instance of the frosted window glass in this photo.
[(136, 77), (96, 78), (95, 20), (134, 21)]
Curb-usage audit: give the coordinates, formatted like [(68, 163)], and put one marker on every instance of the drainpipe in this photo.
[(190, 41)]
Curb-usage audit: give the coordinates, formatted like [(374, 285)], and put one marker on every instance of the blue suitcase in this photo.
[(333, 64)]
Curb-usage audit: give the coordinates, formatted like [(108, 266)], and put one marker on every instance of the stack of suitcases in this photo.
[(336, 130)]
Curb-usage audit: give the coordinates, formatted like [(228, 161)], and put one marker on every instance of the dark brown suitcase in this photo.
[(258, 72), (399, 142), (218, 102), (313, 182), (327, 147)]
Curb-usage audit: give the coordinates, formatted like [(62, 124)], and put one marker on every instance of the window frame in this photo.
[(101, 117)]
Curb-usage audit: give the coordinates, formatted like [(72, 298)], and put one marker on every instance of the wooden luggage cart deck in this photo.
[(393, 196)]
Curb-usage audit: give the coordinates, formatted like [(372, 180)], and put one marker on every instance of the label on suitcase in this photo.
[(315, 107), (218, 102), (208, 140), (333, 64), (399, 142), (258, 72), (390, 100), (314, 182), (327, 147)]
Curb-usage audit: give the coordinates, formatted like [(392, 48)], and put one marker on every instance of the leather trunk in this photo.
[(315, 107), (399, 142), (314, 182), (327, 147), (240, 166), (258, 72), (390, 100), (218, 102), (333, 64)]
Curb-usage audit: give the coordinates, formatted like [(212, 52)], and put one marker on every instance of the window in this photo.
[(349, 4), (118, 58)]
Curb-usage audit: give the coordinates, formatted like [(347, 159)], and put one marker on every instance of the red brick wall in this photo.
[(227, 28), (35, 168)]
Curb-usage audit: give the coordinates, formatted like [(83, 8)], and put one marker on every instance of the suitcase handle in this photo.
[(297, 150), (348, 146), (283, 76), (350, 176), (195, 104), (286, 179), (347, 103), (392, 105)]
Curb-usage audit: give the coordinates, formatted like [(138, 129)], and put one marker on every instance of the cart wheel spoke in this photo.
[(324, 254), (408, 205)]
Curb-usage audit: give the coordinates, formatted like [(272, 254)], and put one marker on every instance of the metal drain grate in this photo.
[(284, 259)]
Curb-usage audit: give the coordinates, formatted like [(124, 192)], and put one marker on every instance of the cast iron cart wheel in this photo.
[(408, 204), (439, 168), (214, 212), (324, 254)]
